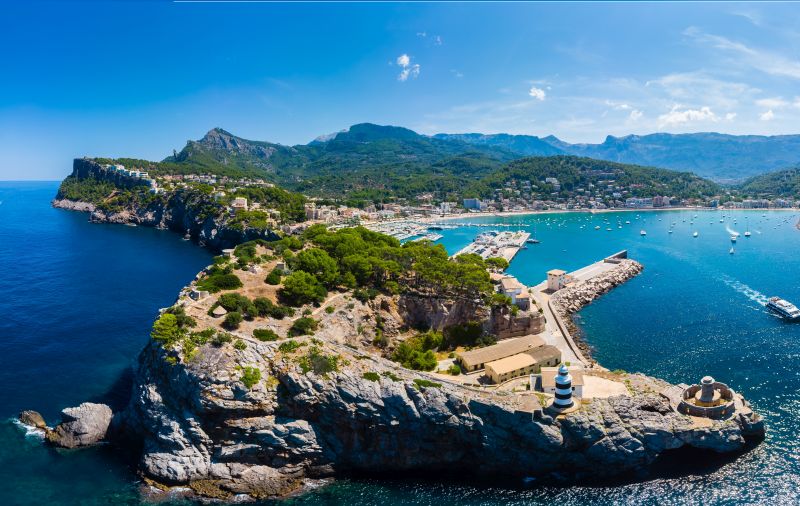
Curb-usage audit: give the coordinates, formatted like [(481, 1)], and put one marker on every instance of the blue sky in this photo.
[(139, 79)]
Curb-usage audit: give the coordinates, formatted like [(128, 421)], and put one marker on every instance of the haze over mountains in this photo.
[(721, 157)]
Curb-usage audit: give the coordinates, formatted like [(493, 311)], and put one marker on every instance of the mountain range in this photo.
[(720, 157), (373, 162)]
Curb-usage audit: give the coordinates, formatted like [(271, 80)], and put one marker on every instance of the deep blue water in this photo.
[(77, 301)]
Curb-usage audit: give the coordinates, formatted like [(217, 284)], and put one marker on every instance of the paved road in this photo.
[(593, 270), (552, 334)]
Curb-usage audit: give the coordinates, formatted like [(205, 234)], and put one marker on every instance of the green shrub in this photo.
[(422, 384), (365, 295), (166, 330), (318, 362), (202, 337), (371, 376), (183, 320), (240, 345), (303, 326), (417, 352), (454, 370), (250, 376), (221, 338), (214, 283), (274, 277), (498, 263), (330, 309), (392, 376), (289, 346), (265, 335), (301, 288), (232, 320)]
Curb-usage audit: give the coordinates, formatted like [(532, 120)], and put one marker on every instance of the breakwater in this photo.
[(572, 298)]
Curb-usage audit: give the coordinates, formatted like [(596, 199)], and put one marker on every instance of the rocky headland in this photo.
[(255, 419), (202, 423), (194, 215)]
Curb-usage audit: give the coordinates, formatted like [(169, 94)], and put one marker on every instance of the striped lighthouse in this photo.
[(563, 388)]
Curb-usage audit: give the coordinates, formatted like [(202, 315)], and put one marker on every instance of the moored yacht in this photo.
[(783, 308)]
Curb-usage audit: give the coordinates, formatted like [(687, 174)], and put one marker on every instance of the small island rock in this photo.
[(83, 425), (32, 419)]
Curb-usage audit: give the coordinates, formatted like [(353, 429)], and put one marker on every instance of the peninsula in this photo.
[(303, 354)]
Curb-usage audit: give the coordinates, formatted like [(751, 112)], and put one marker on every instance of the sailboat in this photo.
[(533, 240), (747, 232), (732, 251)]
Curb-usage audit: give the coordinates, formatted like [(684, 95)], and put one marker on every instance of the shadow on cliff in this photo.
[(672, 464)]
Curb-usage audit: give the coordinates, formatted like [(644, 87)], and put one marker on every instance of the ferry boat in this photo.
[(783, 308)]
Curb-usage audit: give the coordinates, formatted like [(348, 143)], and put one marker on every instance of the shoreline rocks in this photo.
[(32, 419), (82, 425)]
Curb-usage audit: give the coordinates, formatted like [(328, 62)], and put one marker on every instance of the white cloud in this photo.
[(635, 114), (767, 116), (693, 87), (730, 116), (772, 103), (767, 62), (437, 40), (422, 34), (678, 116), (457, 73), (410, 70), (536, 93)]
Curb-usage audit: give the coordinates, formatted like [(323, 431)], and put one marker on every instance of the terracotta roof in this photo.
[(549, 376), (512, 363), (503, 349)]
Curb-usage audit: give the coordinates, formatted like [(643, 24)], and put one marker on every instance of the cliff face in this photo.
[(189, 213), (201, 426)]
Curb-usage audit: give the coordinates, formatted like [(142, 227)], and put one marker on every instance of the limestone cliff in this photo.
[(192, 214), (200, 425)]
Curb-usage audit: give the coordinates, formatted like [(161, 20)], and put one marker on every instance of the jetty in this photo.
[(563, 294), (497, 244)]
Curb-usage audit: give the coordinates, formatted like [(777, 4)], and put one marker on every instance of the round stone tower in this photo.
[(707, 396), (563, 382)]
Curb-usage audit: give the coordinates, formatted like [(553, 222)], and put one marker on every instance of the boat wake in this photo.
[(745, 290), (731, 231)]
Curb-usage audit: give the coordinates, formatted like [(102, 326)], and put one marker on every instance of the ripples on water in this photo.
[(78, 300)]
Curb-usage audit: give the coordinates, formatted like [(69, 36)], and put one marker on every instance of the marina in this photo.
[(504, 245)]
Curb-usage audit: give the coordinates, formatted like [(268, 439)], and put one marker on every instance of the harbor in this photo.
[(504, 245)]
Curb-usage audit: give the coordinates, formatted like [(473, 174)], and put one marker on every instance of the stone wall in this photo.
[(572, 298)]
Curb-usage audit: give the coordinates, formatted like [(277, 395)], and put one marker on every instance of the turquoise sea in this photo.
[(77, 301)]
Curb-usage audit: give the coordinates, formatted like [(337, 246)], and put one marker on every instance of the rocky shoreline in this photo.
[(195, 216), (200, 427), (571, 299)]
